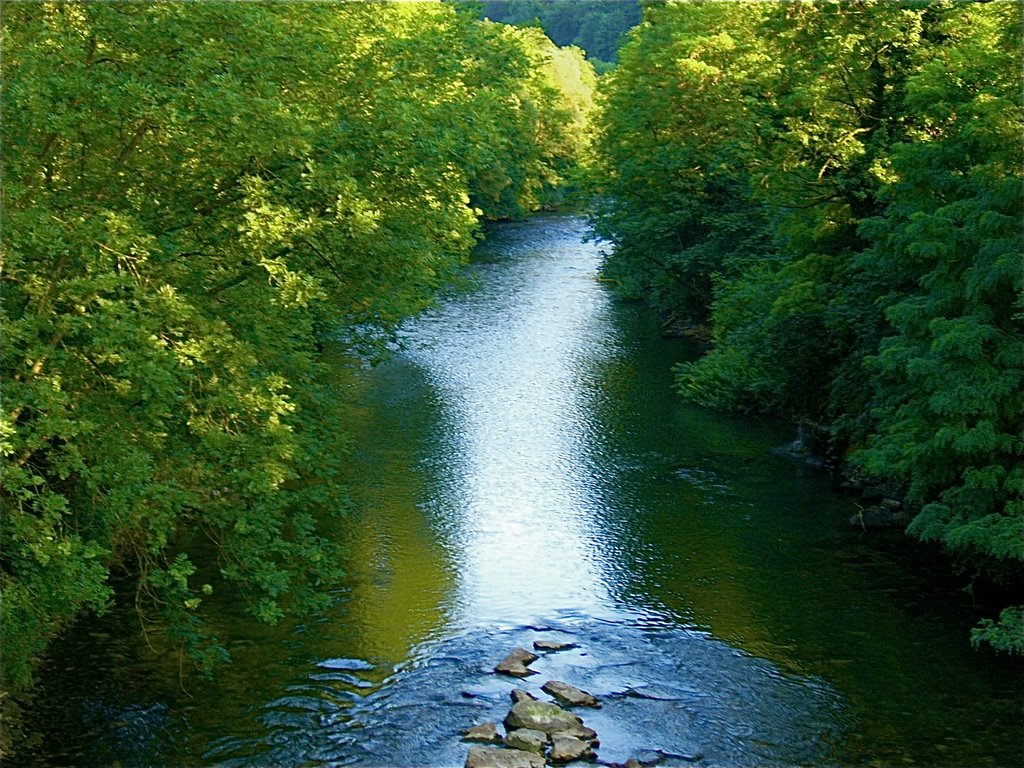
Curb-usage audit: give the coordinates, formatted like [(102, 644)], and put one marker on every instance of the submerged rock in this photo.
[(527, 740), (515, 664), (651, 757), (874, 517), (352, 665), (495, 757), (652, 692), (565, 749), (486, 733), (552, 645), (690, 758), (541, 716), (570, 694)]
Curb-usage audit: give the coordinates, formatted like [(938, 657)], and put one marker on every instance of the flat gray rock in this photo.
[(541, 716), (515, 664), (569, 694), (514, 669), (522, 655), (565, 749), (495, 757), (486, 733), (552, 645), (580, 731), (356, 665), (527, 740)]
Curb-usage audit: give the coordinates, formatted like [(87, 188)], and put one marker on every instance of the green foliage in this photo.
[(532, 100), (875, 149), (770, 347), (193, 195), (670, 174), (595, 26), (1005, 635), (948, 377)]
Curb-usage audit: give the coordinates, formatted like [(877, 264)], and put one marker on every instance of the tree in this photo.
[(948, 375), (595, 26), (869, 283), (676, 139), (193, 196)]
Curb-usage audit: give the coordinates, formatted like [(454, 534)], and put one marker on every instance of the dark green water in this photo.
[(522, 470)]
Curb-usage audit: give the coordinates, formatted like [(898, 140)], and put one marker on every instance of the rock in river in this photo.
[(565, 749), (518, 694), (527, 740), (515, 663), (486, 733), (552, 645), (493, 757), (582, 733), (541, 716), (878, 517), (569, 694)]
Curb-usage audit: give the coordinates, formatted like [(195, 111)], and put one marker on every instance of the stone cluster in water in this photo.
[(537, 733)]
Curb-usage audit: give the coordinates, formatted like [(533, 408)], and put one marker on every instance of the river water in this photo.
[(522, 470)]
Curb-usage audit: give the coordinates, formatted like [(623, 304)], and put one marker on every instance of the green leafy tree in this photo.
[(533, 100), (824, 162), (193, 195), (595, 26), (676, 138), (948, 376), (835, 188)]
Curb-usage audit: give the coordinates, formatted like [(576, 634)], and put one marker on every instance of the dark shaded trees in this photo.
[(596, 26), (836, 189)]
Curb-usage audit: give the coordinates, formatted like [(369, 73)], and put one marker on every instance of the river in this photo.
[(522, 470)]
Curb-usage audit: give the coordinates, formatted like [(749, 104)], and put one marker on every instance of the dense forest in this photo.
[(830, 193), (595, 26), (194, 195)]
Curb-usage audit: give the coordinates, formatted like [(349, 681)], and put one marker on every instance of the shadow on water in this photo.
[(522, 470)]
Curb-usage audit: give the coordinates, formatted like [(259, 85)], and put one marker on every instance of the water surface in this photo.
[(522, 470)]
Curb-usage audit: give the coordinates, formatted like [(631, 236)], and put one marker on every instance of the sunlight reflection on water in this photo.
[(512, 365)]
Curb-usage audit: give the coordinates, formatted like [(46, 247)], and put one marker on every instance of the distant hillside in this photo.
[(596, 26)]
